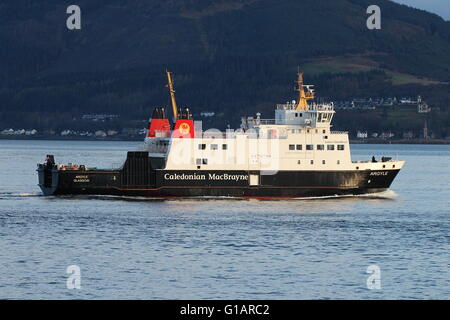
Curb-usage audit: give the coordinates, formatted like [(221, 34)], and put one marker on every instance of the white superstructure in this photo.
[(299, 138)]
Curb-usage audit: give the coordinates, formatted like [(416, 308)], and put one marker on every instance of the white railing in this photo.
[(311, 107), (214, 135), (263, 121), (286, 106), (251, 134), (321, 107)]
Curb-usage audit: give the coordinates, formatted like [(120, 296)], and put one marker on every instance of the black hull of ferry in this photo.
[(137, 178)]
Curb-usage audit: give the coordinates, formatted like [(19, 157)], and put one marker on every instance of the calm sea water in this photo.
[(226, 249)]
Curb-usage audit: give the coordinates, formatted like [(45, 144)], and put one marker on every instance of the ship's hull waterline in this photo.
[(138, 178)]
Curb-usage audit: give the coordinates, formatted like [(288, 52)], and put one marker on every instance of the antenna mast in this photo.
[(303, 96), (172, 95)]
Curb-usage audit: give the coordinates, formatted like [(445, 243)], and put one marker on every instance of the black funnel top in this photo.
[(183, 113), (159, 113)]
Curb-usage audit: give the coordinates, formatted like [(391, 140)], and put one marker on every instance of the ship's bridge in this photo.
[(301, 113), (317, 115)]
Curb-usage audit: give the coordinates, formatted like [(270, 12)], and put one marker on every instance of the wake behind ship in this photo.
[(294, 155)]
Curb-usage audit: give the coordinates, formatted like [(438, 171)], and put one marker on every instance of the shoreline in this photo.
[(141, 138), (401, 141), (59, 138)]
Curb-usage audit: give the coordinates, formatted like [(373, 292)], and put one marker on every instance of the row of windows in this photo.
[(307, 131), (319, 147), (322, 117), (317, 131), (205, 162), (312, 162), (202, 146)]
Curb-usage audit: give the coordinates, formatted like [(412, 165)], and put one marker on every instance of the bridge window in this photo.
[(299, 147), (320, 147), (326, 117), (309, 147), (330, 147), (292, 147), (340, 147), (319, 119)]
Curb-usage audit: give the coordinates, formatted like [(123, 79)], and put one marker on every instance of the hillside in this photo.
[(229, 56)]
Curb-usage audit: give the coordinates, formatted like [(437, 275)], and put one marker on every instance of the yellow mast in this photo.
[(303, 96), (172, 95)]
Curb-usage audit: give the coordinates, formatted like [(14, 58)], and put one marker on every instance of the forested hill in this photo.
[(229, 56)]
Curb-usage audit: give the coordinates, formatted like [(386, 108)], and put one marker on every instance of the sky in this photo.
[(440, 7)]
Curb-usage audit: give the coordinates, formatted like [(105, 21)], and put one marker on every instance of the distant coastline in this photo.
[(74, 138), (141, 138), (400, 141)]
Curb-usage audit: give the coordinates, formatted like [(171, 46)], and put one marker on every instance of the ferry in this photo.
[(294, 155)]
